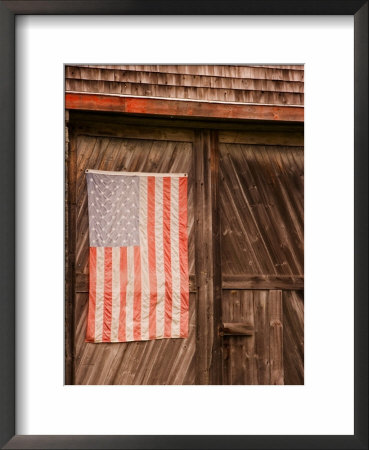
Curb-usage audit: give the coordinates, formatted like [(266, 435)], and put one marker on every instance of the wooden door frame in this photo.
[(208, 258), (207, 224)]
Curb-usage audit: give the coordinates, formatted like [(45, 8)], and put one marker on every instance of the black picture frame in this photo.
[(8, 12)]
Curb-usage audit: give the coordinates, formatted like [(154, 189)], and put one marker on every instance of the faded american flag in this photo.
[(138, 260)]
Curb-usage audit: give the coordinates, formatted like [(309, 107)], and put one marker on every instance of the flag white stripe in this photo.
[(174, 247), (115, 293), (130, 291), (145, 281), (99, 315), (159, 257)]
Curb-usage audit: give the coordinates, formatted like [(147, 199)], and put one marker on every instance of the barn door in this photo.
[(261, 216), (96, 143)]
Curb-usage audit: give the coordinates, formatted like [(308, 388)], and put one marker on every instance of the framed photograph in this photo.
[(147, 303), (177, 173)]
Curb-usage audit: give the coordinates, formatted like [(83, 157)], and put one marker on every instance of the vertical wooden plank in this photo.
[(247, 363), (217, 357), (207, 264), (241, 362), (276, 337), (70, 245), (229, 298), (262, 336)]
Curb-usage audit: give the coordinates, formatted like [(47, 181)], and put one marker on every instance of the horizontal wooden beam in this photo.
[(127, 131), (286, 282), (292, 283), (237, 329), (280, 138), (182, 108), (102, 119)]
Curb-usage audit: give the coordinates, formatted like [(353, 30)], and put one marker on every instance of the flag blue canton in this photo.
[(113, 208)]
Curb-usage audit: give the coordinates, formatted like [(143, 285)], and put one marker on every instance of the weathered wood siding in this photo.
[(261, 84), (166, 361), (262, 209), (293, 336), (262, 254), (255, 358)]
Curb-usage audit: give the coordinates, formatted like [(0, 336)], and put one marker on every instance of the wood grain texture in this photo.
[(255, 356), (136, 363), (261, 213), (293, 336), (244, 281), (208, 267), (240, 359), (275, 309), (253, 94), (162, 78), (262, 335), (182, 108), (240, 71), (96, 126), (70, 242), (237, 329), (172, 361), (263, 84), (242, 254), (261, 210), (287, 138)]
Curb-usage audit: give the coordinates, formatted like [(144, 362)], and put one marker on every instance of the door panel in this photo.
[(166, 361), (255, 358), (262, 258), (262, 209)]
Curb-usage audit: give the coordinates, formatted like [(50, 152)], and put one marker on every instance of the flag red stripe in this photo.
[(107, 294), (167, 257), (90, 332), (123, 293), (137, 295), (151, 254), (183, 256)]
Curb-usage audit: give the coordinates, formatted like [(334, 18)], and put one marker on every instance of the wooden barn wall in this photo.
[(262, 84), (253, 204)]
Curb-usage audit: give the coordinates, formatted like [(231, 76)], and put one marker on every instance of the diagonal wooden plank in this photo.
[(244, 209), (261, 202), (239, 222), (293, 337), (268, 182), (286, 212)]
